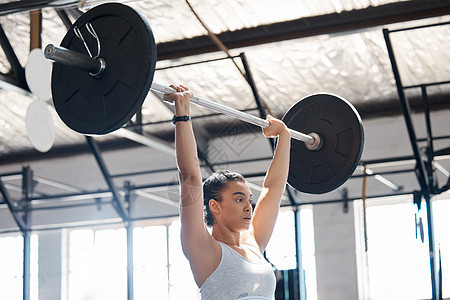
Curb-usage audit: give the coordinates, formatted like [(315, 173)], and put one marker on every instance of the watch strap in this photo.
[(176, 119)]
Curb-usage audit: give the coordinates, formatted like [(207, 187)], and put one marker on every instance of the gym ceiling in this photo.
[(291, 49)]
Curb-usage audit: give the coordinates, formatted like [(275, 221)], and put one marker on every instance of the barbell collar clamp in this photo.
[(317, 144), (102, 68), (61, 55)]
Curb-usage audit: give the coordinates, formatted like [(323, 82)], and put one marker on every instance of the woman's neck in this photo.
[(226, 236)]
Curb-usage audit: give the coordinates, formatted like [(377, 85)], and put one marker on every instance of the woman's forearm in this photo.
[(279, 168), (185, 144), (186, 149)]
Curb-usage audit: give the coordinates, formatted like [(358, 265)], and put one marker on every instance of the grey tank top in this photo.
[(239, 278)]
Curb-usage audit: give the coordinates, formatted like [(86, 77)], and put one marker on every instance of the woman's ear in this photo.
[(214, 206)]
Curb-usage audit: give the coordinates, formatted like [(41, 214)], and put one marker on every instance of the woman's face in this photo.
[(236, 212)]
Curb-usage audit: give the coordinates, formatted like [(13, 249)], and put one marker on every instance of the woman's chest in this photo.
[(248, 253)]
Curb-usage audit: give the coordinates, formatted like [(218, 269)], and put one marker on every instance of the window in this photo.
[(182, 284), (281, 249), (11, 268), (398, 263), (308, 252), (150, 263), (97, 264), (441, 210)]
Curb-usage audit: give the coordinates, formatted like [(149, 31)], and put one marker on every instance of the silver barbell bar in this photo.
[(231, 112)]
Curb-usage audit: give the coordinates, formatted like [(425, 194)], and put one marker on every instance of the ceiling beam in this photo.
[(306, 27), (35, 29), (22, 5), (17, 72)]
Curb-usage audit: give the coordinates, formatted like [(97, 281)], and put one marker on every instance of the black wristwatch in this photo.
[(176, 119)]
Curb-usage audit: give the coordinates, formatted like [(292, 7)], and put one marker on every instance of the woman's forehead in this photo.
[(238, 187)]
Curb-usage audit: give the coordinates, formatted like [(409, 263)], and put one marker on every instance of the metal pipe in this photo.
[(196, 62), (130, 261), (258, 101), (420, 27), (432, 248), (12, 208), (152, 142), (116, 199), (251, 82), (35, 29), (86, 195), (26, 265), (67, 206), (130, 243), (11, 175), (27, 191), (64, 18), (16, 68), (426, 84), (299, 255), (129, 174), (426, 109), (407, 115), (61, 55)]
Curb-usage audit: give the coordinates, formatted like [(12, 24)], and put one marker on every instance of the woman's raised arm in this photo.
[(198, 245), (191, 205), (266, 210)]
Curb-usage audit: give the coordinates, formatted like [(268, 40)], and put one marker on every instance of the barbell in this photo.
[(89, 88)]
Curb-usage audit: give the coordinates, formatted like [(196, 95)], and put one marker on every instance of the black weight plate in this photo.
[(340, 126), (101, 105)]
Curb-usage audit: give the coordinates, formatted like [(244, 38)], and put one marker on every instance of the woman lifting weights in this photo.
[(228, 263)]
